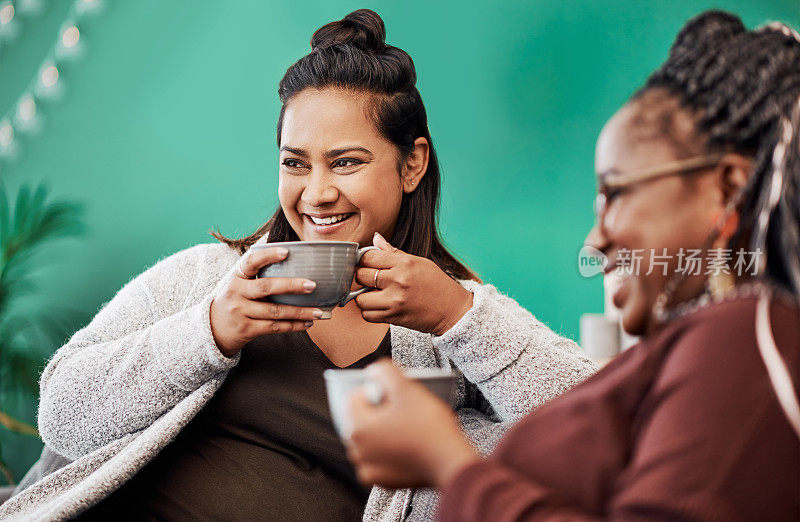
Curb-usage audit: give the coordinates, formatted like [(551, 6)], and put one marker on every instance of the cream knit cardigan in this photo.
[(124, 386)]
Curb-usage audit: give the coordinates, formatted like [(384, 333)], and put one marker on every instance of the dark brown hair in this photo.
[(351, 54)]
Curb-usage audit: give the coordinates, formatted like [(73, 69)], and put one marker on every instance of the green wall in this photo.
[(167, 129)]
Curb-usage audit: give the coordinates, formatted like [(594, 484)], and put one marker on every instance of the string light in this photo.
[(6, 134), (70, 37), (8, 146), (9, 26), (25, 116), (49, 86), (49, 76), (6, 13), (26, 110), (69, 43)]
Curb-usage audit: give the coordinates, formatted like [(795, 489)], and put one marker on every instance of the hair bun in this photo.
[(710, 27), (363, 29)]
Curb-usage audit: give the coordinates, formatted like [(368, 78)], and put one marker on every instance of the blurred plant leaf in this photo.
[(5, 213), (20, 369), (17, 426), (28, 335), (6, 471)]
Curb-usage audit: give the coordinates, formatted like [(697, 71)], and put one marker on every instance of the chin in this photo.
[(634, 324), (635, 313)]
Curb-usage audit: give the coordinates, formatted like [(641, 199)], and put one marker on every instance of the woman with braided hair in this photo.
[(700, 421)]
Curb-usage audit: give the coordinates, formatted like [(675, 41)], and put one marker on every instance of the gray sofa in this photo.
[(6, 492), (49, 461)]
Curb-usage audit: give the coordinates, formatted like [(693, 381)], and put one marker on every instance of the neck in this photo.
[(347, 337)]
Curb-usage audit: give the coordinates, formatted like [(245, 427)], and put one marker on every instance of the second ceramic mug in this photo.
[(330, 264), (340, 383)]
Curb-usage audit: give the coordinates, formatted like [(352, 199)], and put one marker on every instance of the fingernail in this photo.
[(309, 285), (317, 313), (309, 324), (282, 251)]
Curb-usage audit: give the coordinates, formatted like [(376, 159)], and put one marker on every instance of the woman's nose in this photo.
[(596, 237), (319, 190)]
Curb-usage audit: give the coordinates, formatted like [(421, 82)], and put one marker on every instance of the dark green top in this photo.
[(263, 448)]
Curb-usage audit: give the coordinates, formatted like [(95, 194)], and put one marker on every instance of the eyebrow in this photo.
[(329, 154), (338, 152), (299, 152)]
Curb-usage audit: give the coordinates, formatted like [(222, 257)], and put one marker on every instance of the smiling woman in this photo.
[(699, 421), (351, 106), (339, 177), (189, 397)]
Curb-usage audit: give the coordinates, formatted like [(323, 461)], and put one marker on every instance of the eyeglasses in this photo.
[(611, 182)]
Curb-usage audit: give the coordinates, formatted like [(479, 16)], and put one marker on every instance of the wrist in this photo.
[(225, 351), (459, 308), (452, 460), (218, 341)]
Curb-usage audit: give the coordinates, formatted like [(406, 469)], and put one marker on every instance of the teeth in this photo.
[(328, 220)]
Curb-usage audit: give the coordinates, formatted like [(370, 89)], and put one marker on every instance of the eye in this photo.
[(346, 162), (612, 194), (292, 163)]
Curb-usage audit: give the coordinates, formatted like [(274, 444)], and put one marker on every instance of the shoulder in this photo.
[(718, 343), (485, 291), (493, 308), (733, 322)]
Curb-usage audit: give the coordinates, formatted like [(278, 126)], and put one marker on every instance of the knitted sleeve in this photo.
[(516, 362), (147, 349)]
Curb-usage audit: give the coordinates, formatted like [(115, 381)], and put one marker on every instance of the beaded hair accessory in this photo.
[(781, 28)]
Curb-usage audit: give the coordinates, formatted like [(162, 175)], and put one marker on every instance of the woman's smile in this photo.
[(328, 223)]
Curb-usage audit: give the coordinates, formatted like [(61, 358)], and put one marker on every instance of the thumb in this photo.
[(360, 406), (387, 374), (380, 242)]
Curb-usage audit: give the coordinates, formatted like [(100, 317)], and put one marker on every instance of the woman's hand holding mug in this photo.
[(411, 438), (239, 314), (413, 291)]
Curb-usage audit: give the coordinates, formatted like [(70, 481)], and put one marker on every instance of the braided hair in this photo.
[(744, 87)]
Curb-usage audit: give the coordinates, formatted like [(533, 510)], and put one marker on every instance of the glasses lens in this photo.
[(599, 206)]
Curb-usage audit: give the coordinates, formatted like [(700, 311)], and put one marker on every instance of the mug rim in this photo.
[(411, 373), (284, 243)]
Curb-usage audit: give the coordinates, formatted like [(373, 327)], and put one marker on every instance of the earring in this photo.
[(721, 281)]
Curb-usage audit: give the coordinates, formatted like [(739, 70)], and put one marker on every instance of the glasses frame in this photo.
[(672, 168)]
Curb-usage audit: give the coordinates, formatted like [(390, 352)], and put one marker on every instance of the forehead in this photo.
[(648, 131), (323, 118)]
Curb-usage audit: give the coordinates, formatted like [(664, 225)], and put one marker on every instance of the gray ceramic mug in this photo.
[(330, 264)]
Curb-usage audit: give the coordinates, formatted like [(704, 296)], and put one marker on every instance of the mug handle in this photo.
[(355, 293)]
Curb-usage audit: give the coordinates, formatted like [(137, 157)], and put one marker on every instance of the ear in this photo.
[(736, 171), (415, 165)]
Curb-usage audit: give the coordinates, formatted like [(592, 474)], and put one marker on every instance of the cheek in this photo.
[(377, 196), (623, 226), (289, 192), (639, 230), (659, 223)]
